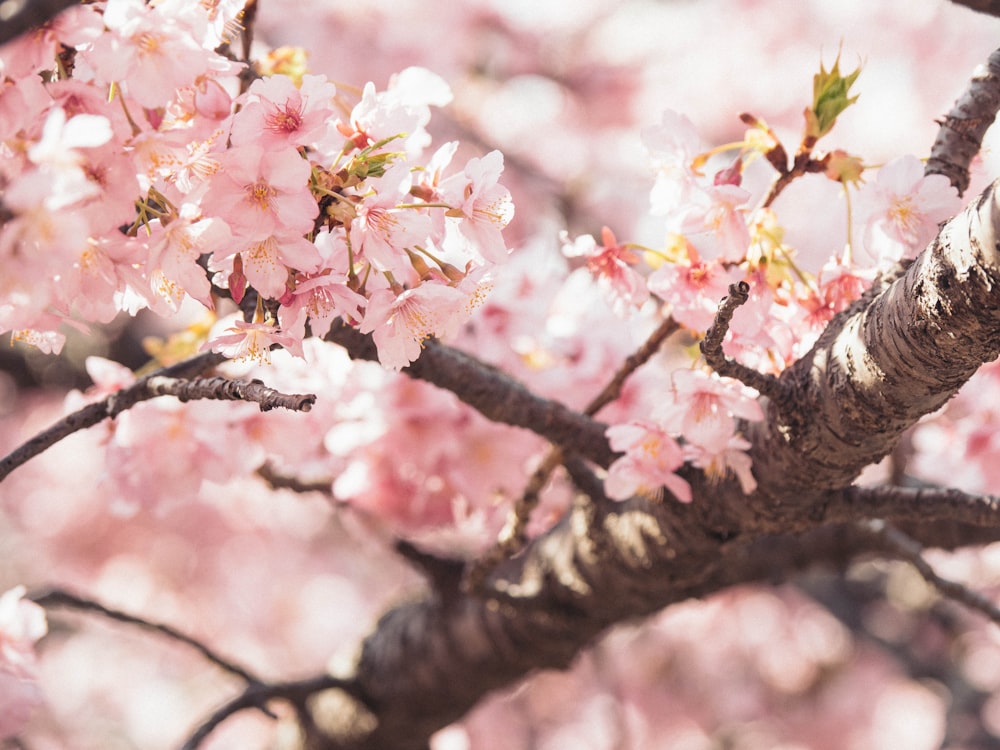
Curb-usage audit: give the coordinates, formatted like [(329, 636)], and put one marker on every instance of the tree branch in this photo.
[(906, 548), (960, 136), (53, 598), (256, 695), (513, 536), (19, 16), (711, 347), (903, 504), (167, 381), (878, 368), (492, 392)]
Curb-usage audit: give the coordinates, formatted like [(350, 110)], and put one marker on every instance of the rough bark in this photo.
[(893, 357), (885, 363)]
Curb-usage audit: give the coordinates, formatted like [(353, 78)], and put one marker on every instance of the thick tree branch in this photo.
[(429, 661), (880, 366), (876, 370), (960, 136), (902, 504), (493, 393)]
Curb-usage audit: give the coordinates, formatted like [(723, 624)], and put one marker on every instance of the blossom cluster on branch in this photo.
[(148, 166), (136, 166)]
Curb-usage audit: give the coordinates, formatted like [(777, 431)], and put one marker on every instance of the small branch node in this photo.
[(711, 347)]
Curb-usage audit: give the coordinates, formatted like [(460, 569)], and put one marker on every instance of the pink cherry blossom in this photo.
[(611, 265), (715, 220), (245, 342), (268, 260), (724, 458), (107, 279), (32, 53), (483, 204), (278, 114), (149, 51), (401, 322), (400, 112), (174, 250), (673, 145), (382, 231), (693, 289), (651, 458), (58, 155), (903, 210), (260, 192), (22, 624), (320, 299), (705, 407)]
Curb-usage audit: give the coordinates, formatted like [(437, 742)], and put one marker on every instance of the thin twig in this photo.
[(256, 696), (491, 392), (64, 599), (165, 381), (633, 362), (514, 535), (711, 347), (908, 549), (270, 474), (224, 389)]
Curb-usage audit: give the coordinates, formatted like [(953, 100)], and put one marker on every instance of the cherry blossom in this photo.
[(401, 111), (244, 341), (904, 209), (611, 265), (142, 178), (149, 51), (259, 192), (400, 322), (719, 460), (705, 407), (22, 623), (651, 458), (173, 253), (692, 287), (382, 230), (483, 203), (279, 114), (268, 260), (672, 144)]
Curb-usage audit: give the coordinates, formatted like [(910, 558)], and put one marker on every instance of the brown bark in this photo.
[(990, 7), (893, 357)]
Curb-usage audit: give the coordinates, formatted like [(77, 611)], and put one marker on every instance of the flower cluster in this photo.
[(137, 176), (717, 232)]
